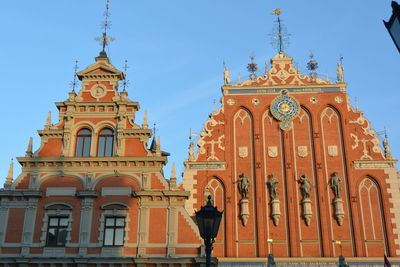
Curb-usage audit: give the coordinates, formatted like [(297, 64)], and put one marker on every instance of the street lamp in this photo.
[(393, 25), (208, 220)]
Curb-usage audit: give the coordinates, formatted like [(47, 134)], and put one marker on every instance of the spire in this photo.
[(158, 145), (10, 176), (145, 123), (28, 152), (48, 121), (279, 36), (173, 170), (153, 146), (172, 180), (104, 39)]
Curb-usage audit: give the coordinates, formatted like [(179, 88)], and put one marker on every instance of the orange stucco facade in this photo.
[(283, 124)]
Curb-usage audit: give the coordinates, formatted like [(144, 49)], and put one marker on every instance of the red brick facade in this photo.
[(326, 136)]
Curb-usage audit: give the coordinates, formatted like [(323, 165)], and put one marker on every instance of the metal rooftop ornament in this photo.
[(104, 39), (125, 82), (74, 83), (252, 67), (279, 36), (312, 65)]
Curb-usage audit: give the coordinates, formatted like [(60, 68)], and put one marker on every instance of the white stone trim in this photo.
[(45, 220), (113, 213), (393, 189), (116, 191), (60, 191)]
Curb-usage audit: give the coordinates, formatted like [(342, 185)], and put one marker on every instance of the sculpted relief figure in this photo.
[(243, 184), (272, 184), (305, 186), (335, 184)]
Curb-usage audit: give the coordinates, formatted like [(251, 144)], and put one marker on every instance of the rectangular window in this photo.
[(114, 231), (57, 231)]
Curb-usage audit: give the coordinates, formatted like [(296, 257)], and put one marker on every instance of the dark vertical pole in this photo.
[(280, 34), (208, 244)]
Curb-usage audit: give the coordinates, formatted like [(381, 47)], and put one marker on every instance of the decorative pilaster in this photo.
[(3, 223), (33, 180), (28, 228), (171, 234), (142, 234), (85, 225)]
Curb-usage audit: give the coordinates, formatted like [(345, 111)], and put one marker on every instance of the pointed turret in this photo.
[(48, 121), (153, 146), (145, 124), (172, 180), (158, 146), (10, 176), (28, 152)]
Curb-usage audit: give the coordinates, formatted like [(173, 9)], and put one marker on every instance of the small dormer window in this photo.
[(83, 141), (105, 143)]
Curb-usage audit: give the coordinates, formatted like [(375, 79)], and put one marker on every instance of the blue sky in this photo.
[(175, 51)]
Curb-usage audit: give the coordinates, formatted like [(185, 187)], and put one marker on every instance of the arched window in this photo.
[(83, 141), (105, 144)]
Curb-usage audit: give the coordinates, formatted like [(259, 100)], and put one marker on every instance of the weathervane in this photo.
[(125, 82), (104, 40), (74, 83), (279, 36)]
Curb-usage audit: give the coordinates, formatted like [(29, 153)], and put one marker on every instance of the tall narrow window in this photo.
[(57, 231), (83, 141), (105, 144), (114, 231)]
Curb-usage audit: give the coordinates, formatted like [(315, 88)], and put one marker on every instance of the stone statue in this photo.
[(227, 77), (335, 184), (244, 183), (339, 73), (191, 151), (305, 186), (272, 184), (386, 148)]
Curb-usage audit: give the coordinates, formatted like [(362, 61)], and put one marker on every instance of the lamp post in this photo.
[(208, 220), (393, 25)]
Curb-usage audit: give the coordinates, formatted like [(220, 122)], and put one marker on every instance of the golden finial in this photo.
[(277, 11)]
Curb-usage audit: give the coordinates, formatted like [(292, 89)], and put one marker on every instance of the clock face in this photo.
[(285, 108)]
